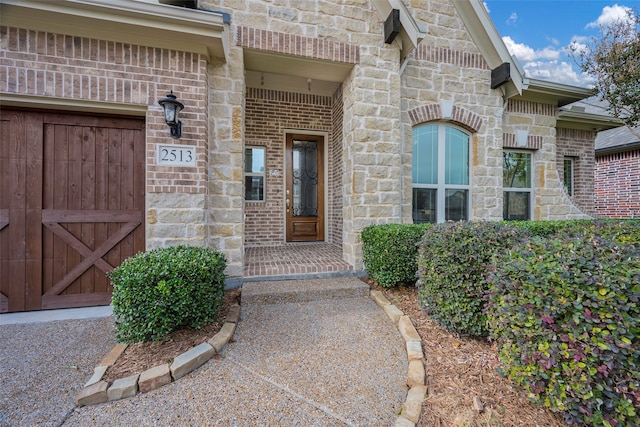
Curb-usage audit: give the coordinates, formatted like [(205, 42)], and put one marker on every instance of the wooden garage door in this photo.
[(71, 206)]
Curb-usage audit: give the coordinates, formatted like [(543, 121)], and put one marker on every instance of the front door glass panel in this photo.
[(305, 178)]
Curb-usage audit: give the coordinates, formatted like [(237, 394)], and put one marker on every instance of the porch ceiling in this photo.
[(287, 72)]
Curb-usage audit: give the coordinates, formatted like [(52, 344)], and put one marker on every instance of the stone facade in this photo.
[(367, 117)]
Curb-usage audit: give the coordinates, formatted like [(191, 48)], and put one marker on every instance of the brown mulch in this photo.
[(139, 357), (460, 370)]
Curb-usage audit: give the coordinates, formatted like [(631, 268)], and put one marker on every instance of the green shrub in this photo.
[(390, 252), (546, 228), (623, 231), (566, 315), (452, 265), (159, 291)]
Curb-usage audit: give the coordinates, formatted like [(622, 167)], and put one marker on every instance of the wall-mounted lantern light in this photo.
[(172, 109)]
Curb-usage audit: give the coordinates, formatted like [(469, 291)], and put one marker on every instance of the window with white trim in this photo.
[(254, 173), (440, 174), (568, 174), (517, 190)]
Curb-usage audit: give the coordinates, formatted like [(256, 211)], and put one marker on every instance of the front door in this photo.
[(305, 188)]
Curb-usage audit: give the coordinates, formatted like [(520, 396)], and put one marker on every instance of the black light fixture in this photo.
[(172, 109)]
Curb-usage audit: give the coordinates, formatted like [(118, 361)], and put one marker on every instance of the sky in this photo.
[(538, 32)]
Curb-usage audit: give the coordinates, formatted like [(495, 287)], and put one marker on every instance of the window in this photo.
[(516, 175), (254, 158), (440, 174), (568, 175)]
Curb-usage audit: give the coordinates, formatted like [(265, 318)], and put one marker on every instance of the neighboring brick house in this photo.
[(617, 167), (303, 121), (617, 174)]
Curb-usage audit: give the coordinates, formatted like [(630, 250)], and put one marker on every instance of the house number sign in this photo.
[(177, 155)]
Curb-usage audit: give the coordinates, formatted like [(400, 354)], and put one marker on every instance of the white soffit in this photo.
[(124, 21), (486, 37), (410, 33), (296, 66)]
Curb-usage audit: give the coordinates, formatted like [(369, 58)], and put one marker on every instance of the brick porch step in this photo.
[(285, 291)]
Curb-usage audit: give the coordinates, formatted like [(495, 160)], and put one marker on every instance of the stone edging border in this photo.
[(416, 376), (96, 390)]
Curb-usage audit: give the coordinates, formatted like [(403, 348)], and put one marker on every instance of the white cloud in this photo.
[(609, 15), (526, 53), (513, 19), (486, 6), (557, 71), (578, 45)]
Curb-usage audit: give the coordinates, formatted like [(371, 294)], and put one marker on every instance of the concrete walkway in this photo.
[(312, 353)]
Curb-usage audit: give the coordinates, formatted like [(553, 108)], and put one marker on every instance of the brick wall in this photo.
[(579, 145), (617, 185), (269, 114), (76, 68), (336, 169), (97, 75)]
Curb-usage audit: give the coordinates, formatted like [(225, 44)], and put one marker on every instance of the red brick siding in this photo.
[(431, 112), (532, 108), (534, 142), (83, 69), (292, 44), (268, 114), (449, 56), (617, 185), (336, 169), (578, 144)]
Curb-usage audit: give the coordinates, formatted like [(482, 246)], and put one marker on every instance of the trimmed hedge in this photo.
[(390, 252), (452, 265), (566, 314), (625, 231), (159, 291), (548, 228)]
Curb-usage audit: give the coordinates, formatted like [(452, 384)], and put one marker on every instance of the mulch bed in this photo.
[(461, 370), (139, 357)]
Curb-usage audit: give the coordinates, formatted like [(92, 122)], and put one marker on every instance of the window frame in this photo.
[(570, 189), (529, 189), (262, 174), (440, 186)]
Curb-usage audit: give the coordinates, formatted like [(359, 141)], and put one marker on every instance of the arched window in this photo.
[(440, 174)]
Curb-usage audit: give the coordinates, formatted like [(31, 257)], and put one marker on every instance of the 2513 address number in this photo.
[(171, 155)]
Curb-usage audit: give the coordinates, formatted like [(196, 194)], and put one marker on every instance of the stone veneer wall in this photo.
[(447, 66), (617, 185), (539, 121), (225, 197), (269, 114), (579, 145), (111, 76), (341, 32)]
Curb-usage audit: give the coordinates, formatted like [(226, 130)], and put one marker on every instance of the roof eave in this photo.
[(125, 21), (571, 119), (618, 148), (561, 94)]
